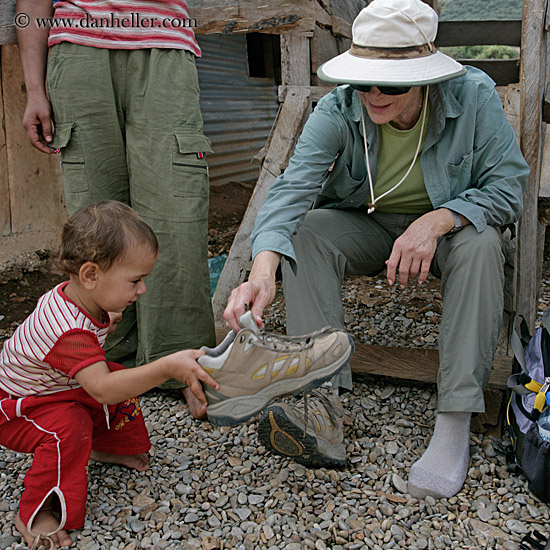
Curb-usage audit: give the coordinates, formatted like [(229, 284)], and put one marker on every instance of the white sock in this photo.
[(443, 467)]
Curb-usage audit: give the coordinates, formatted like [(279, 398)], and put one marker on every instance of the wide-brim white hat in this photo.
[(393, 44)]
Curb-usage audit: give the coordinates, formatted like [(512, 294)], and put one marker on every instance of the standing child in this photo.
[(59, 398)]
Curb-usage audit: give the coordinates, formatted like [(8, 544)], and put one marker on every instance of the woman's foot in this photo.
[(196, 408), (44, 522), (136, 462), (442, 469)]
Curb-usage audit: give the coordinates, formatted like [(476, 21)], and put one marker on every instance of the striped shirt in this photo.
[(56, 341), (124, 25)]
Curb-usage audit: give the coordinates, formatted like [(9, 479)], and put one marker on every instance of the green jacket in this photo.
[(471, 161)]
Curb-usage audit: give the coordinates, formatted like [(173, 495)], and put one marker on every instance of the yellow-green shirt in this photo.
[(395, 154)]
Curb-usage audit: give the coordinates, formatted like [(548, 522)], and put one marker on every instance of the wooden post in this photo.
[(530, 231), (295, 62), (5, 221), (34, 178), (7, 22), (287, 129)]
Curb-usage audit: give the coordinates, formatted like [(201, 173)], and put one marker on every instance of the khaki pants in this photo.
[(129, 127), (331, 244)]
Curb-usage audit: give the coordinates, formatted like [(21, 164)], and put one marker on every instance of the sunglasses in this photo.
[(386, 90)]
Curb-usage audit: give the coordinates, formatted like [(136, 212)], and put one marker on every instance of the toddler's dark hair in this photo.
[(102, 232)]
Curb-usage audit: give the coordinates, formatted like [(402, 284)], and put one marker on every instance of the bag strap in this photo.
[(519, 343), (533, 415), (545, 350), (523, 384)]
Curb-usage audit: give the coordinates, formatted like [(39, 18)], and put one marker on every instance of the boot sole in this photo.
[(281, 436), (236, 410)]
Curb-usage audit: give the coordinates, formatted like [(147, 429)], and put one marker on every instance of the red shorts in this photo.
[(61, 429)]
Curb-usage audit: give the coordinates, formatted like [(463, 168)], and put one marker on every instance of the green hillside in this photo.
[(465, 10)]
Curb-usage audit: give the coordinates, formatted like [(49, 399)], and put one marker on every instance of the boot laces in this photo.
[(321, 395), (270, 340)]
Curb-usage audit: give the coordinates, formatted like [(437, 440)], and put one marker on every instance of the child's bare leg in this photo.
[(137, 462), (196, 408), (44, 522)]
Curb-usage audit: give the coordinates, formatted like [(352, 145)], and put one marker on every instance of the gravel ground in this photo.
[(217, 488)]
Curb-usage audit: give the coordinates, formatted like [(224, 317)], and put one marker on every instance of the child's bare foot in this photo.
[(136, 462), (44, 522), (196, 408)]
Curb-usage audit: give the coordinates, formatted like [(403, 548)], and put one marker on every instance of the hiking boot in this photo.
[(311, 432), (253, 367)]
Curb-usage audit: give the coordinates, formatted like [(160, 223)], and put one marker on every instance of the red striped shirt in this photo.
[(124, 25), (24, 360)]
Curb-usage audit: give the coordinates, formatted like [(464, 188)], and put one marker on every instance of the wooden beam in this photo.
[(295, 60), (341, 27), (546, 106), (530, 231), (479, 33), (512, 108), (316, 92), (415, 364), (238, 16), (5, 221), (346, 9), (222, 16), (287, 129), (502, 71), (431, 3), (7, 22), (490, 422), (511, 101), (322, 17), (323, 48), (546, 98), (34, 178), (544, 189)]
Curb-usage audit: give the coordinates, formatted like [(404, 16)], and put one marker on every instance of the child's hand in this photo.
[(187, 370), (115, 318)]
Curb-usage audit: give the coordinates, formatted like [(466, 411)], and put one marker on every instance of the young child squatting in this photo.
[(59, 397)]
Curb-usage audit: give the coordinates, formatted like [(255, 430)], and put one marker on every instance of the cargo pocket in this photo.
[(190, 175), (67, 140)]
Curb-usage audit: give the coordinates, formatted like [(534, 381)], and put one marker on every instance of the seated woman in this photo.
[(412, 166)]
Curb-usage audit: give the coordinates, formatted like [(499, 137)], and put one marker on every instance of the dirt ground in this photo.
[(20, 291)]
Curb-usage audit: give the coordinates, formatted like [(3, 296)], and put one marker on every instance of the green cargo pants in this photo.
[(129, 126), (331, 244)]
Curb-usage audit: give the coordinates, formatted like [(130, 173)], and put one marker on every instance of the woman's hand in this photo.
[(255, 294), (413, 251)]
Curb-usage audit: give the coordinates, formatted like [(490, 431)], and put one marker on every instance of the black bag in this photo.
[(528, 400)]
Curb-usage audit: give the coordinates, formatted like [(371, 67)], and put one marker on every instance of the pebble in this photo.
[(399, 483), (516, 526)]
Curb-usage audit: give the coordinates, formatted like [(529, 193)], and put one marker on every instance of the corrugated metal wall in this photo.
[(238, 110)]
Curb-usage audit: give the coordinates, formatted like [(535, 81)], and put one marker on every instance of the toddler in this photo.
[(59, 398)]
